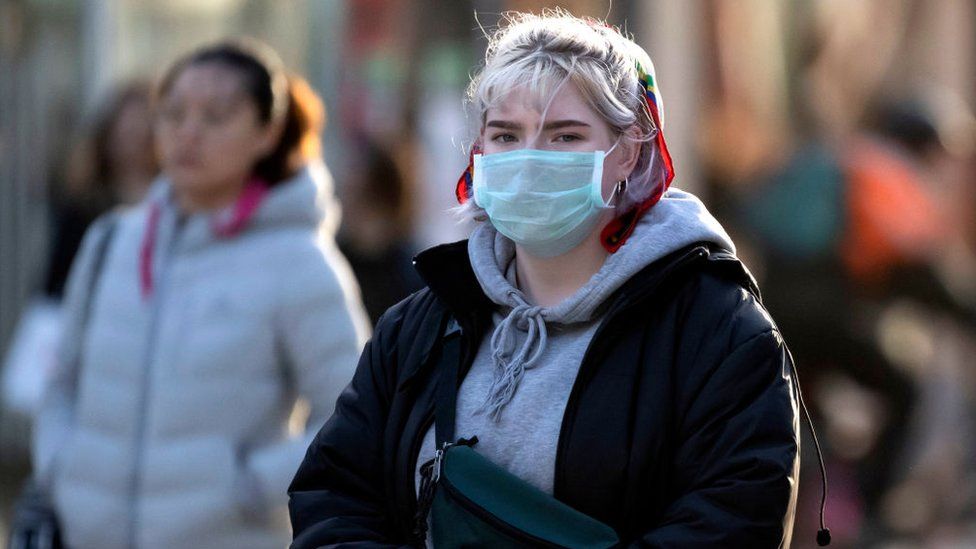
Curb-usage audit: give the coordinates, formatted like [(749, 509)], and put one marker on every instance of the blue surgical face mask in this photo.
[(547, 202)]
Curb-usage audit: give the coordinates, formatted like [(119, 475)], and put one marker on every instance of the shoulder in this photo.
[(113, 225), (407, 333), (718, 304), (722, 345), (726, 311), (303, 263), (709, 322), (419, 315)]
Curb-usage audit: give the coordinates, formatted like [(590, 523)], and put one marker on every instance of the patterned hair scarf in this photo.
[(616, 232)]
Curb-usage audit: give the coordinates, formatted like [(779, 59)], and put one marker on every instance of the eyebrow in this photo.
[(554, 125)]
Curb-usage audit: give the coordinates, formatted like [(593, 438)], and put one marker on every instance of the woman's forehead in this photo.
[(556, 102), (208, 81)]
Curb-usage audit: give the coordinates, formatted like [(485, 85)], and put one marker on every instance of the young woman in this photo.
[(197, 319), (611, 351)]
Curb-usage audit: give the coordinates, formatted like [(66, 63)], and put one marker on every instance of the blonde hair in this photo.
[(543, 52)]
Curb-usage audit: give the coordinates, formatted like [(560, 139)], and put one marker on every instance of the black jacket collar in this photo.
[(447, 271)]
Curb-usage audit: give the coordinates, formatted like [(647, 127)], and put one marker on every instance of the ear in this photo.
[(629, 149)]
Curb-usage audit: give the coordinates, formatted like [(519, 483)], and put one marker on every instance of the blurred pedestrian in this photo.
[(198, 318), (113, 163), (596, 343), (376, 228)]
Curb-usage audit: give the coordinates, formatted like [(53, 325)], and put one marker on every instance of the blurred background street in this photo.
[(834, 139)]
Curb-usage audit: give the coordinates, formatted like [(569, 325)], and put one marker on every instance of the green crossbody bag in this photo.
[(472, 502)]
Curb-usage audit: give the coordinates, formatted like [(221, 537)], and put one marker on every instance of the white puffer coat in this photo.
[(172, 429)]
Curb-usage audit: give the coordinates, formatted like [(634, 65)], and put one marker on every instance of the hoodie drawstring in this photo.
[(509, 365)]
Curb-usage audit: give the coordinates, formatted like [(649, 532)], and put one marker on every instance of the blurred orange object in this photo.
[(892, 220)]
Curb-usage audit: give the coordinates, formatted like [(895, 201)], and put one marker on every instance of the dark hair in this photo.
[(381, 183), (90, 171), (275, 94), (908, 123), (134, 92)]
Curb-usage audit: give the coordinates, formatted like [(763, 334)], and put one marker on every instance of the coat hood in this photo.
[(305, 201)]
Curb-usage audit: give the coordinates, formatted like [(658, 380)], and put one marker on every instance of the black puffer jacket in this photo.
[(681, 429)]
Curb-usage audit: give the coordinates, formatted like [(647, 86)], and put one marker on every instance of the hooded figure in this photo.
[(614, 354), (196, 322)]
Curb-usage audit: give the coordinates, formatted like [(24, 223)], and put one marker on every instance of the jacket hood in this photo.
[(304, 202), (307, 199)]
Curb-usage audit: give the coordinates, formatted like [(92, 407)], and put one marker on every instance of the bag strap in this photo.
[(98, 262), (106, 227), (445, 409), (445, 397), (105, 237)]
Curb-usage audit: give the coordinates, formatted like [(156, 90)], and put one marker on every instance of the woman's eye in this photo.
[(567, 138), (504, 138)]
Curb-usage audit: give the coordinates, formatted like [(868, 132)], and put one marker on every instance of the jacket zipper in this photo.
[(572, 404), (487, 516), (146, 379)]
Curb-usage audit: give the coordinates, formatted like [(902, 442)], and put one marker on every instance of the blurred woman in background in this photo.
[(197, 319), (376, 224), (114, 163)]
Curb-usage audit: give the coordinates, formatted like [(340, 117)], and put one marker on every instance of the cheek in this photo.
[(238, 151), (486, 146), (233, 145), (489, 148), (164, 143)]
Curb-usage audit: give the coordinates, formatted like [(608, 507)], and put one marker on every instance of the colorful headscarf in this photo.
[(616, 232)]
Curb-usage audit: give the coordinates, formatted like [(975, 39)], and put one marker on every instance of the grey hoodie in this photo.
[(515, 394)]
